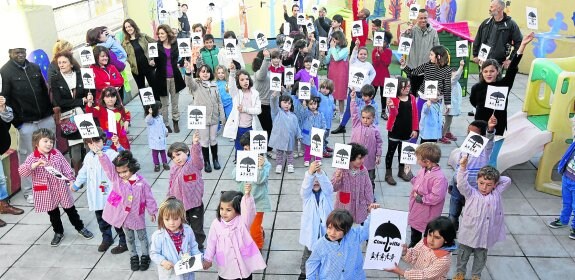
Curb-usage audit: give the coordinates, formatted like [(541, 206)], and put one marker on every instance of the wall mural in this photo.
[(545, 42)]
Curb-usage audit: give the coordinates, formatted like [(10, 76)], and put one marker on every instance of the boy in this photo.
[(327, 108), (317, 194), (49, 190), (362, 15), (209, 53), (98, 189), (429, 187), (259, 191), (367, 97), (186, 183), (567, 169)]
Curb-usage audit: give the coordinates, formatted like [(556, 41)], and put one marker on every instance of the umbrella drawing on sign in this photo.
[(497, 96), (358, 77), (196, 114), (405, 45), (316, 140), (85, 54), (259, 139), (409, 151), (197, 39), (462, 48), (148, 95), (342, 154), (389, 87), (211, 6), (322, 44), (475, 140), (356, 28), (288, 44), (247, 163), (86, 125), (483, 52), (276, 81), (87, 77), (230, 47), (261, 38), (163, 14), (532, 17), (315, 65), (300, 17), (305, 89), (184, 45), (413, 9), (378, 39), (310, 25), (153, 48), (387, 231), (431, 89)]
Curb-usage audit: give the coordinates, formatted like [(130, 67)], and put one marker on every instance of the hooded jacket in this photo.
[(423, 41), (500, 36)]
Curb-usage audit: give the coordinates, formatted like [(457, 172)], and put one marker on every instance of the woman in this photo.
[(69, 94), (136, 46), (59, 46), (105, 74), (338, 69), (168, 81), (117, 55)]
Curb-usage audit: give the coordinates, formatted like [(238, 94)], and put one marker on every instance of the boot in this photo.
[(135, 263), (340, 129), (206, 154), (401, 173), (176, 126), (144, 262), (389, 178), (169, 129), (214, 149), (6, 208), (2, 223)]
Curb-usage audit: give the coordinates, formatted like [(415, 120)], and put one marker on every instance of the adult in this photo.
[(499, 32), (260, 66), (69, 94), (292, 20), (59, 46), (184, 23), (105, 73), (136, 45), (6, 116), (168, 81), (424, 37), (322, 23), (26, 93)]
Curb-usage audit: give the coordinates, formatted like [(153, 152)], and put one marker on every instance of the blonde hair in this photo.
[(171, 207), (61, 46), (216, 71), (428, 151)]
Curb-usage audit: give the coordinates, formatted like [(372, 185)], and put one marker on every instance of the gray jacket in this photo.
[(423, 41), (262, 82)]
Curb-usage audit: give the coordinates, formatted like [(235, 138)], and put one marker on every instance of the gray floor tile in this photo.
[(552, 268), (509, 247), (286, 240), (23, 234), (18, 273), (11, 253), (540, 246), (511, 268), (284, 262), (567, 243), (98, 273), (526, 225), (69, 258), (5, 229), (12, 219), (517, 206), (290, 203), (287, 220), (58, 273), (545, 206), (40, 256)]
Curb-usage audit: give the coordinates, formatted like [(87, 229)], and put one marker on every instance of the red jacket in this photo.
[(101, 115), (104, 77), (363, 39), (381, 60), (393, 114)]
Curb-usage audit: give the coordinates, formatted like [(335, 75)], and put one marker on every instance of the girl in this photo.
[(111, 115), (338, 67), (229, 240), (304, 74), (105, 73), (455, 104), (482, 224), (337, 255), (430, 123), (168, 82), (222, 84), (157, 134), (49, 190), (205, 93), (260, 66), (431, 257), (381, 58), (136, 45), (401, 126), (436, 69), (311, 117), (173, 240), (285, 131), (297, 54), (327, 108), (225, 60), (247, 106), (101, 37), (130, 196), (352, 185)]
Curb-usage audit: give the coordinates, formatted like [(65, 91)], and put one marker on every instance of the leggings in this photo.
[(447, 124), (280, 157), (383, 99), (392, 146), (155, 156), (131, 241)]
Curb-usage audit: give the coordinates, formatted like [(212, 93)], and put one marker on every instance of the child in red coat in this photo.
[(112, 116), (381, 58)]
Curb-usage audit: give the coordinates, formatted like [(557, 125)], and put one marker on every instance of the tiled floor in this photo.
[(531, 251)]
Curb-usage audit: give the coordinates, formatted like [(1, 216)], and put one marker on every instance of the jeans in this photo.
[(237, 145), (479, 259), (131, 241), (568, 198), (325, 142), (73, 216), (195, 217), (106, 230), (456, 203), (495, 152), (3, 186), (347, 113)]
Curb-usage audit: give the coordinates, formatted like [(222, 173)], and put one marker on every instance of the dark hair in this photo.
[(258, 61), (387, 36), (401, 84), (208, 68), (315, 99), (441, 55), (490, 62), (43, 133), (98, 50), (126, 158), (93, 34), (368, 90), (357, 150), (362, 49), (208, 37), (308, 58), (300, 44), (422, 10), (286, 98), (481, 124), (166, 28), (178, 147), (340, 219), (337, 18), (196, 25), (184, 5), (231, 34), (110, 91), (101, 137), (377, 22), (275, 54), (293, 6), (70, 57), (155, 109), (489, 173), (445, 228), (134, 25), (369, 109), (234, 197), (340, 37), (245, 139), (243, 72)]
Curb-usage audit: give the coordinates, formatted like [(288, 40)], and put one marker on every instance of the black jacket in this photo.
[(26, 92), (160, 84), (500, 36), (63, 97), (4, 136)]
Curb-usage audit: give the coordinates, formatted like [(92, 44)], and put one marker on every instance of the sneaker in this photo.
[(384, 116), (166, 166), (290, 168), (300, 153), (450, 136), (157, 168), (459, 276), (302, 276), (444, 140), (306, 163), (104, 246), (57, 239), (572, 234), (279, 169), (119, 249), (327, 155), (328, 149), (135, 263), (86, 233), (556, 224), (144, 262), (30, 199)]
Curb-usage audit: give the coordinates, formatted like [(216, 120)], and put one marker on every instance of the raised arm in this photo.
[(248, 207), (306, 190), (232, 87)]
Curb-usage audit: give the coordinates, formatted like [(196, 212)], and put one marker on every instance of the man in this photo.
[(184, 31), (424, 38), (293, 26), (499, 32), (5, 119), (26, 93), (323, 23)]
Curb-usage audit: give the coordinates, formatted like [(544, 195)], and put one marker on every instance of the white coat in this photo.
[(232, 124), (92, 175), (315, 214)]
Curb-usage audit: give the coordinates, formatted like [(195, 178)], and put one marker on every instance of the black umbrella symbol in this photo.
[(462, 47), (483, 52), (163, 13), (342, 154), (259, 139), (211, 6), (247, 163), (387, 231), (289, 74), (197, 39), (317, 140), (85, 54), (378, 39), (315, 65), (184, 45), (276, 81), (152, 47), (497, 96), (195, 114), (475, 140), (304, 88), (87, 76), (414, 9), (230, 47), (288, 43), (148, 95), (405, 45), (300, 17), (261, 38), (532, 17), (356, 28), (409, 150), (322, 43), (86, 125), (389, 87), (358, 77), (431, 89)]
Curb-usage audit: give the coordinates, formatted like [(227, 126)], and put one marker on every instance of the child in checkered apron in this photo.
[(51, 178)]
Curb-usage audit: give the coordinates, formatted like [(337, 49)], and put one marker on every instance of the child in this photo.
[(276, 66), (401, 126), (222, 84), (431, 257), (436, 69), (457, 201), (430, 123), (360, 41), (304, 74), (566, 168), (381, 58), (259, 191), (327, 109), (482, 223), (353, 184), (49, 190), (455, 109), (112, 116), (347, 262), (285, 131), (186, 183), (247, 106), (310, 117), (365, 133), (209, 53), (157, 133), (429, 187), (338, 66), (205, 93), (98, 190), (234, 215), (173, 240), (317, 194), (131, 195), (297, 55)]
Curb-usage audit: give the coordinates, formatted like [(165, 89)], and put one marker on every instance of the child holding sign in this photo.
[(310, 116), (431, 122), (285, 131), (113, 117), (157, 134)]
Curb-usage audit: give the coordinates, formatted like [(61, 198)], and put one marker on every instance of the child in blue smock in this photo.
[(285, 130)]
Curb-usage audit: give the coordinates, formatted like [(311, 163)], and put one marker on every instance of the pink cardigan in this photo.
[(186, 182), (432, 185), (235, 252)]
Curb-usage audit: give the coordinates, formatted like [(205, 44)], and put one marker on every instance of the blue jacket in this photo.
[(566, 158), (314, 213), (308, 120), (326, 106), (431, 121), (163, 248)]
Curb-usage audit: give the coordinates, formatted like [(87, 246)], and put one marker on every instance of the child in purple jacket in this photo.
[(303, 75)]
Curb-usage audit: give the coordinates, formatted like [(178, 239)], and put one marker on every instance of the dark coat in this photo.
[(506, 34), (160, 84), (4, 136), (62, 97)]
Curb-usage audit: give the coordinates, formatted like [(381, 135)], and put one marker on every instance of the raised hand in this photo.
[(247, 188), (492, 123)]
